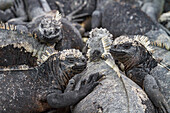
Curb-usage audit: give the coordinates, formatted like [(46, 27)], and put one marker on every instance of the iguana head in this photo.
[(94, 44), (72, 61), (50, 28), (131, 51)]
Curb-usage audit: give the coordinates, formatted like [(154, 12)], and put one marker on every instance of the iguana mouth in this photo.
[(51, 39), (79, 67), (128, 60), (116, 52)]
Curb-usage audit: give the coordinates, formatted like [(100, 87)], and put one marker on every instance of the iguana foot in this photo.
[(153, 92), (87, 86), (58, 99), (70, 86), (77, 18), (18, 9)]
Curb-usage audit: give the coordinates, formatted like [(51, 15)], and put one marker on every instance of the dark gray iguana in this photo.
[(139, 65), (53, 29), (110, 96), (42, 88)]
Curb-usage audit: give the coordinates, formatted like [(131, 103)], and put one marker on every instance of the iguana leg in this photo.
[(73, 17), (6, 15), (153, 92), (19, 11), (96, 19), (57, 100)]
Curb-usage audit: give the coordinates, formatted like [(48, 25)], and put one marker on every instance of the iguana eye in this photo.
[(70, 60), (96, 52), (56, 30), (115, 46), (126, 46)]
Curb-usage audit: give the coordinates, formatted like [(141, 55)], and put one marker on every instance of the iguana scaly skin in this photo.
[(134, 53), (41, 88), (107, 42), (48, 27), (110, 96)]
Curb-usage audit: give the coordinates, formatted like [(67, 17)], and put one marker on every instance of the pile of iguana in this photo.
[(49, 27), (34, 77), (110, 96)]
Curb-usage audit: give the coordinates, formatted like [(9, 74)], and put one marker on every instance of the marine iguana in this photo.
[(38, 74), (110, 96), (53, 29), (139, 65), (42, 87)]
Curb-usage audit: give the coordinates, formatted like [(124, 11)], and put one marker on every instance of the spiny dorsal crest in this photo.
[(100, 32), (6, 26), (107, 42), (57, 16), (161, 45), (143, 40), (48, 52), (68, 52)]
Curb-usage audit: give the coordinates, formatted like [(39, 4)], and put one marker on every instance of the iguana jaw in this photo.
[(79, 67), (116, 52), (50, 39), (127, 59)]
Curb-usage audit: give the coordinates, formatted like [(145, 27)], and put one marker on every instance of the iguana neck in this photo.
[(52, 72), (142, 59), (146, 62)]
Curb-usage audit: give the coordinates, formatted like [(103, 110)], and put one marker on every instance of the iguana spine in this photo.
[(111, 62)]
